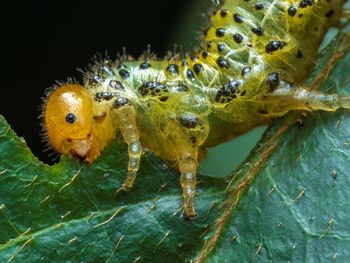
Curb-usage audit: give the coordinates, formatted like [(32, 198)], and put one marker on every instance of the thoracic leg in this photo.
[(287, 98), (188, 170), (126, 121), (191, 133)]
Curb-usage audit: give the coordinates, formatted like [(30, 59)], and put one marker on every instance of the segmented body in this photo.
[(248, 69), (244, 54)]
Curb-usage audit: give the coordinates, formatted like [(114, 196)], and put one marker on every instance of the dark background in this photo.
[(44, 41)]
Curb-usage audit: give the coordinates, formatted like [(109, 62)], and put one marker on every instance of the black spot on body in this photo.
[(145, 65), (306, 3), (262, 111), (220, 32), (299, 54), (274, 46), (292, 10), (193, 140), (189, 121), (144, 90), (245, 71), (224, 12), (259, 6), (237, 38), (258, 31), (106, 71), (237, 18), (189, 74), (163, 99), (124, 73), (329, 14), (121, 102), (104, 96), (222, 63), (273, 81), (173, 69), (153, 88), (116, 85), (98, 79), (228, 92), (193, 57), (198, 68), (181, 88), (232, 85), (221, 47), (303, 4), (205, 53)]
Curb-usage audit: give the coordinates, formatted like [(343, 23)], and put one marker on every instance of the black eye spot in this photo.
[(70, 118)]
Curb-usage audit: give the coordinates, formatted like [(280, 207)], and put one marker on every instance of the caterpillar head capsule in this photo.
[(68, 121)]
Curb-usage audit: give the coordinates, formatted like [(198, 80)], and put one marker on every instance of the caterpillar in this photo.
[(249, 68)]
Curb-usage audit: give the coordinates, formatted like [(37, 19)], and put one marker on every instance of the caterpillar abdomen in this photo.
[(267, 37), (247, 70)]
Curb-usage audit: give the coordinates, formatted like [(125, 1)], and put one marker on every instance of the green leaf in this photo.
[(72, 212), (289, 201)]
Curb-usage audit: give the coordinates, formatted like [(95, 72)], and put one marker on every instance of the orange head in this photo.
[(68, 121)]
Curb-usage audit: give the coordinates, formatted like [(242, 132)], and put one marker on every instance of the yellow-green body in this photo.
[(157, 120)]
